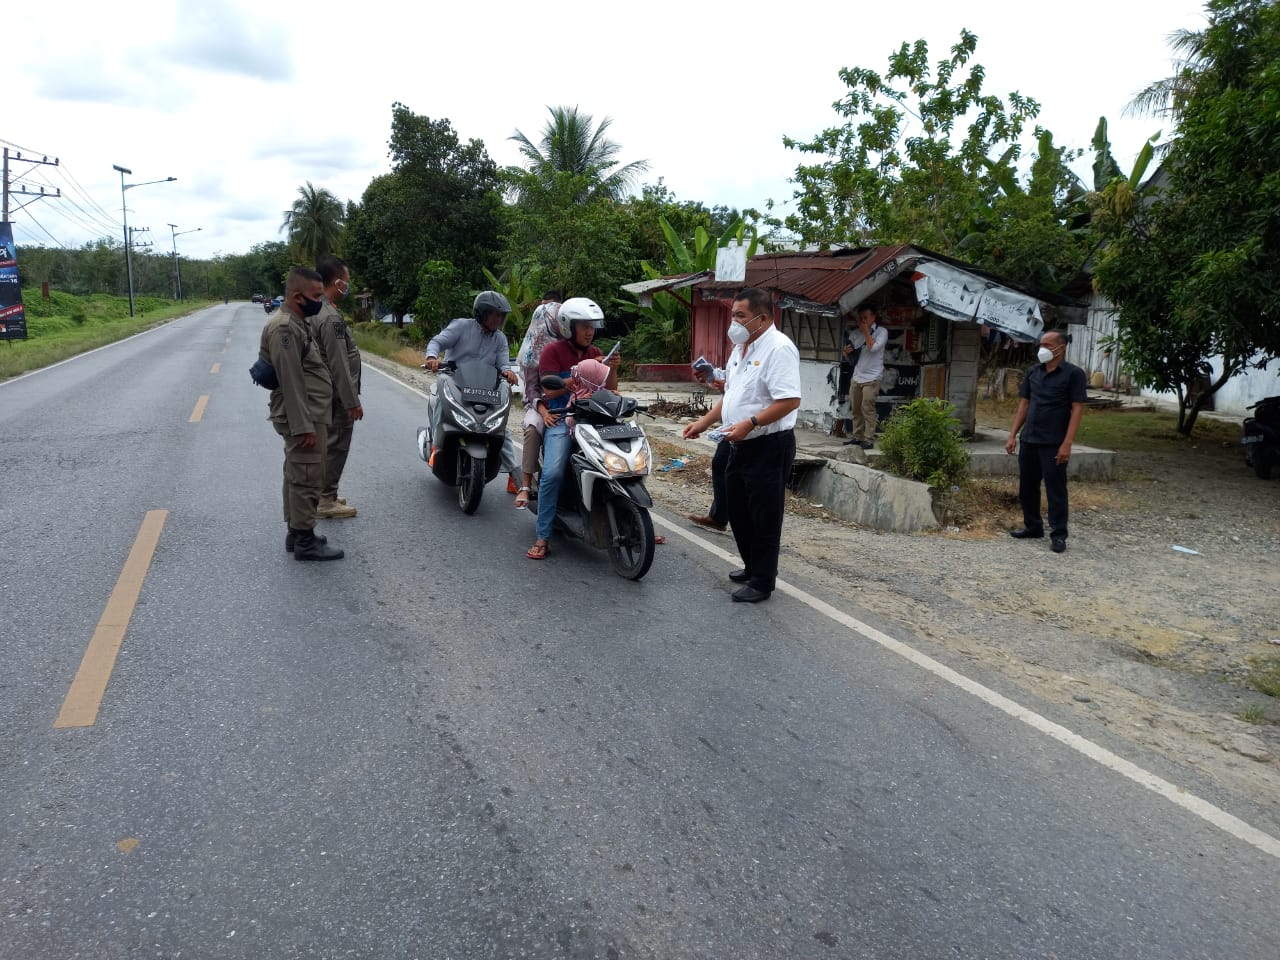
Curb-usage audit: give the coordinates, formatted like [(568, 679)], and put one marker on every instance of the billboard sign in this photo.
[(13, 319)]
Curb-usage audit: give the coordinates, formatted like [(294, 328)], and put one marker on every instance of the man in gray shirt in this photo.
[(478, 337)]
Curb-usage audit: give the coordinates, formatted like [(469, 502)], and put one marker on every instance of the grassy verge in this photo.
[(67, 325), (386, 341), (1135, 431)]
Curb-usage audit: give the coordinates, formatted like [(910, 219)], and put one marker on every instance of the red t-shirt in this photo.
[(559, 358)]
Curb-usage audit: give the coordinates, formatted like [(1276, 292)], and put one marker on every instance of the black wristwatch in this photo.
[(754, 421)]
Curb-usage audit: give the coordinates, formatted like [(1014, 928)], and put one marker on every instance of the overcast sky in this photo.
[(243, 102)]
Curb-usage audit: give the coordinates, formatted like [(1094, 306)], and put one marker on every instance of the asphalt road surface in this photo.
[(437, 748)]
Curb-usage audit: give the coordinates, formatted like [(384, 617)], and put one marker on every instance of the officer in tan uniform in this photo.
[(342, 357), (301, 408)]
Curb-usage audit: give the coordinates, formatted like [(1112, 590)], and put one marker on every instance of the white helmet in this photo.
[(577, 310)]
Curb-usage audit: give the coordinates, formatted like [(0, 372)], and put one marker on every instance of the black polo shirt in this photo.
[(1051, 394)]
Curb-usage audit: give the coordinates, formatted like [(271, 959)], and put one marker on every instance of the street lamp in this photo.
[(177, 275), (128, 258)]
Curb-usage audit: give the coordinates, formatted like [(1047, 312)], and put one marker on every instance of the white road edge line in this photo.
[(1201, 808)]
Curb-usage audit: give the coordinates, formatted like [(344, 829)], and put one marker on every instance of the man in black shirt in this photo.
[(1052, 402)]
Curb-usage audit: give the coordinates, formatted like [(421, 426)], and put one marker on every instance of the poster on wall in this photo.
[(13, 319)]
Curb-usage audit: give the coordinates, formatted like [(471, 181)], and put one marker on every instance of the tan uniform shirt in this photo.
[(341, 355), (304, 400)]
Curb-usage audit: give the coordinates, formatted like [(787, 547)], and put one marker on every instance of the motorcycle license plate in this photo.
[(1252, 440), (472, 395), (619, 432)]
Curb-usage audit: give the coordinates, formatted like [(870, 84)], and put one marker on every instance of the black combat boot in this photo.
[(307, 546), (290, 537)]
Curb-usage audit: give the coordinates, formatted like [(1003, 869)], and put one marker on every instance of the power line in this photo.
[(71, 179), (47, 233), (107, 226)]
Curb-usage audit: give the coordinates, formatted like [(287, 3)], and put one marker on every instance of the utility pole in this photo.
[(177, 274), (6, 190), (124, 214)]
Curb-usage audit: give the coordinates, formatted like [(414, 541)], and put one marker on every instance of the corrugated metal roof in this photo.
[(822, 277)]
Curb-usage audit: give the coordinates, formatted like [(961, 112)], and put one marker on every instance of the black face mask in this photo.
[(311, 307)]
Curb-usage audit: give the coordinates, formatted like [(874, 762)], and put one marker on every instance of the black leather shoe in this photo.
[(291, 538), (1058, 544), (1025, 533), (308, 546), (749, 595), (739, 576)]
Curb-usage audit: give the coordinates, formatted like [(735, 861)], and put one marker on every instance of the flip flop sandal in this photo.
[(522, 499), (538, 551)]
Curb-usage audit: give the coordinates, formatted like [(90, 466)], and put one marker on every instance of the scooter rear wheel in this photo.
[(631, 551), (1262, 462), (470, 482)]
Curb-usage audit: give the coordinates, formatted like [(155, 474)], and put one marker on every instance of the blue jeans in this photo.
[(556, 447)]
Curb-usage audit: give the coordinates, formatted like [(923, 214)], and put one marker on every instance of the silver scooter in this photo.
[(473, 427)]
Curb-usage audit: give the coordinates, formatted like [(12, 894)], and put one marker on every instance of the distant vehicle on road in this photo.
[(258, 298)]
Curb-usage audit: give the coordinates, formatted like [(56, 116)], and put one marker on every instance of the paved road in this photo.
[(439, 749)]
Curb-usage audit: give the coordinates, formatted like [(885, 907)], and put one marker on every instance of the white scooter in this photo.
[(473, 427), (603, 500)]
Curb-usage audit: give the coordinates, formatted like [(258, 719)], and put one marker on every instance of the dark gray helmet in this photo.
[(490, 301)]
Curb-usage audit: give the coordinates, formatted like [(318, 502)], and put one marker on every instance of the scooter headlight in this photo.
[(642, 459), (616, 464)]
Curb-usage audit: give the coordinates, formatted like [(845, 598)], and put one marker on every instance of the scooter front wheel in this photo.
[(470, 482), (631, 546)]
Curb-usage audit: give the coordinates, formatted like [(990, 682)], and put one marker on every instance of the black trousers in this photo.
[(756, 488), (1036, 465), (719, 511)]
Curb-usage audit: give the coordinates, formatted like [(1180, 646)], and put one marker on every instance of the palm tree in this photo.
[(1166, 97), (570, 145), (314, 223)]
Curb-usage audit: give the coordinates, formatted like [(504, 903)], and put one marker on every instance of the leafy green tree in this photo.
[(1192, 269), (580, 247), (442, 296), (314, 223), (891, 172), (571, 144), (440, 202)]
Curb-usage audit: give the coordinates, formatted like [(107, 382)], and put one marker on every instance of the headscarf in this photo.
[(588, 377)]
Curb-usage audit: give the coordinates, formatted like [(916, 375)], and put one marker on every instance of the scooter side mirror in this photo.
[(552, 381)]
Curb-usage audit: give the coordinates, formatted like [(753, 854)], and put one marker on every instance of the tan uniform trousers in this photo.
[(862, 402), (303, 477), (337, 446)]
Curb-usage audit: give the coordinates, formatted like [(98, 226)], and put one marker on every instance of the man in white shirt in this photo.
[(869, 340), (758, 414)]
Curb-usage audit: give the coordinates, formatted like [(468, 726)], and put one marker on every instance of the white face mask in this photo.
[(739, 333), (1044, 354)]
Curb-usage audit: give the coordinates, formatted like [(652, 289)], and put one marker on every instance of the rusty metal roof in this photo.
[(821, 277)]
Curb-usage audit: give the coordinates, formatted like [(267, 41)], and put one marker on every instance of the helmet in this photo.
[(490, 301), (577, 310), (547, 314)]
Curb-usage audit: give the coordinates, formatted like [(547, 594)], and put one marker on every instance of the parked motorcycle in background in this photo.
[(473, 426), (1262, 437), (603, 500)]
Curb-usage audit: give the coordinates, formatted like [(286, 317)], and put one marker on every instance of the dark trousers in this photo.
[(1035, 465), (719, 511), (756, 487)]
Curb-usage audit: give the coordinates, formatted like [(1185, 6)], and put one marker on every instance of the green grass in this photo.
[(66, 325), (1264, 677), (1135, 431), (1254, 714)]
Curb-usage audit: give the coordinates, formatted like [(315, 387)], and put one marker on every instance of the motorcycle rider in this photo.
[(478, 337), (579, 319)]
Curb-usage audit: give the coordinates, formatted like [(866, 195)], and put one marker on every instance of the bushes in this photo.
[(922, 441)]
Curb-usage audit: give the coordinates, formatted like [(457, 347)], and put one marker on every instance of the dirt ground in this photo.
[(1157, 645)]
